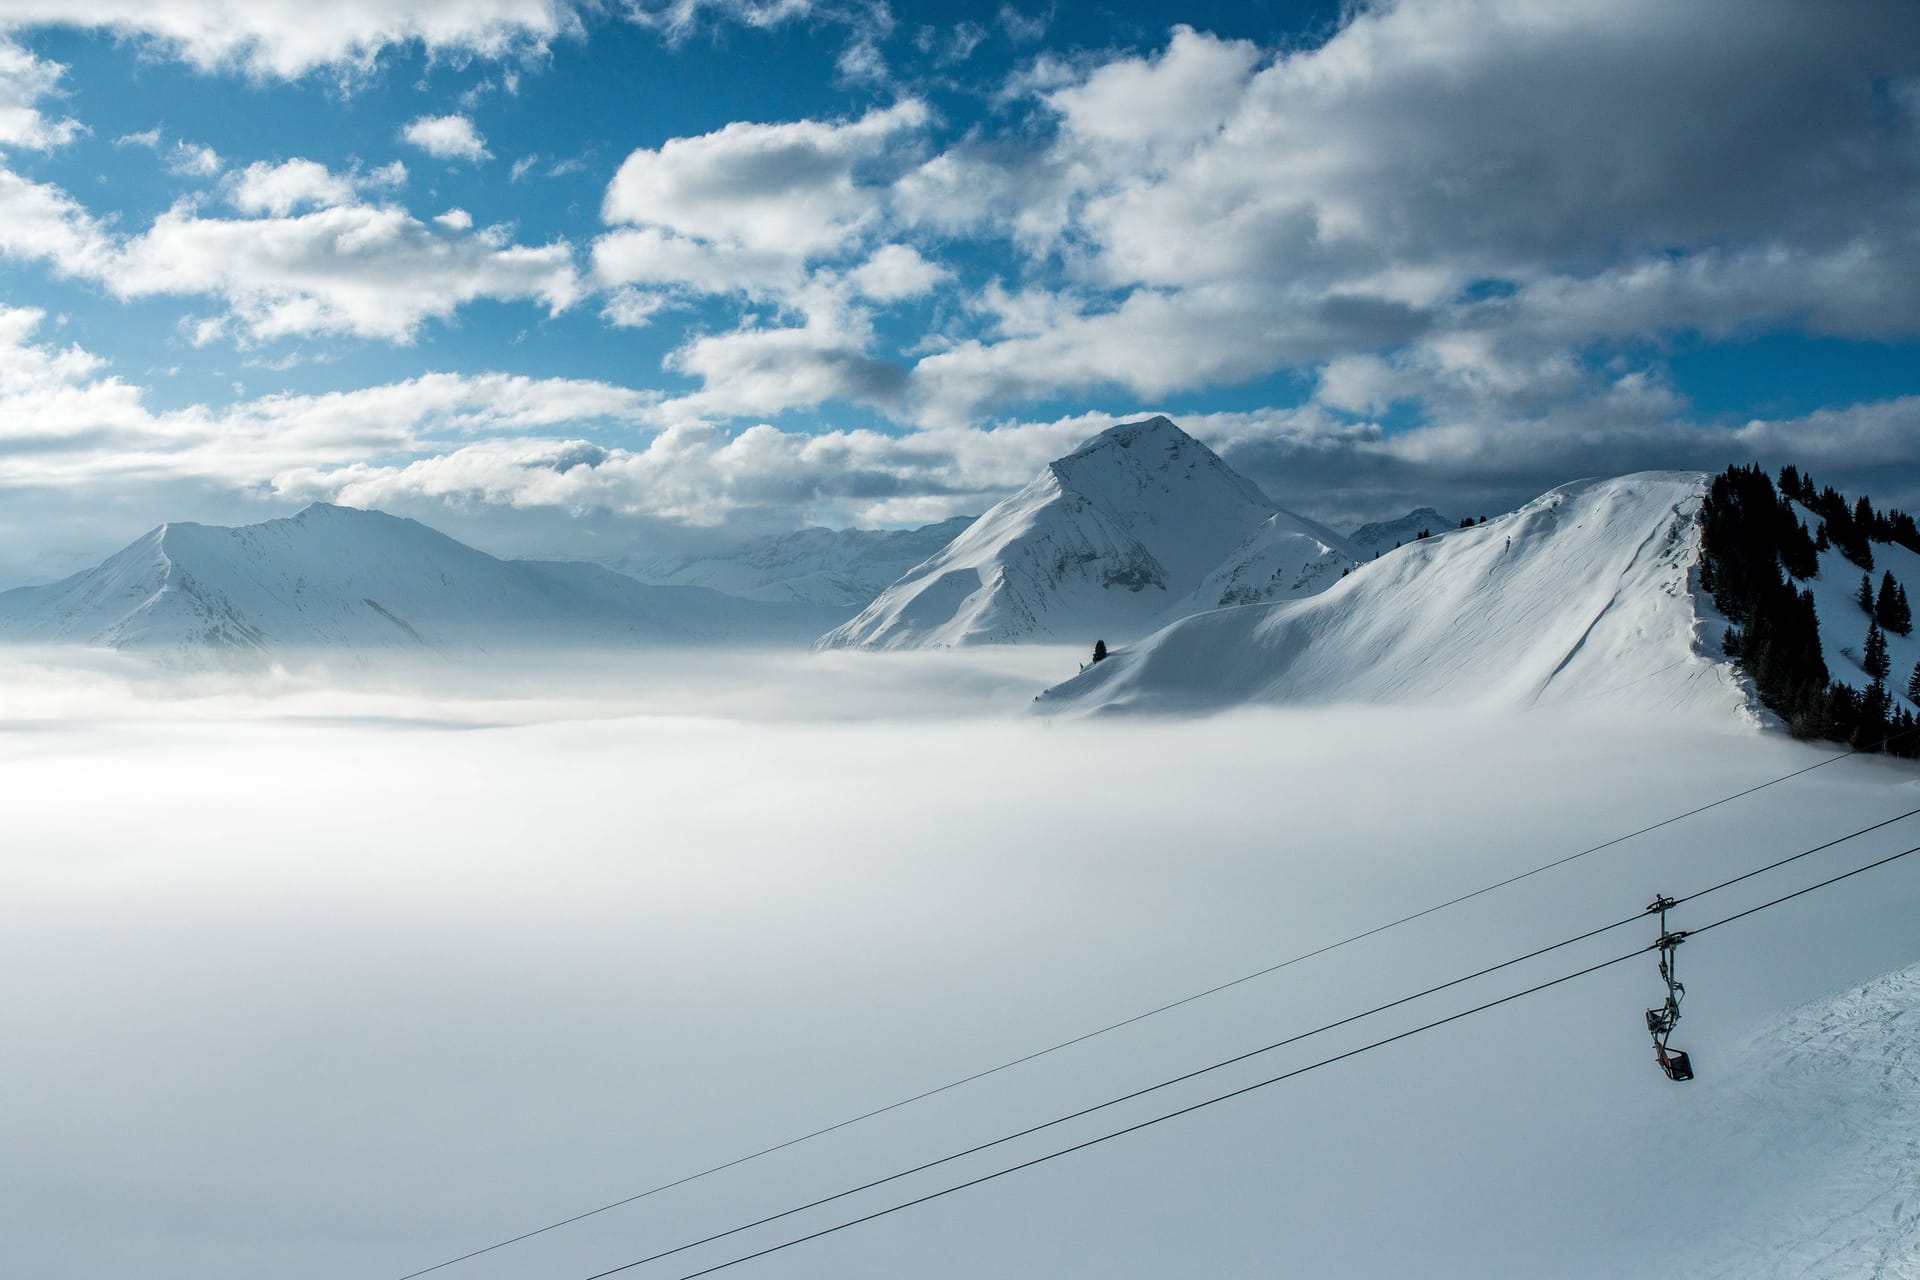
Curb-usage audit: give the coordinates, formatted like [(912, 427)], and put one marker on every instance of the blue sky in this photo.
[(568, 277)]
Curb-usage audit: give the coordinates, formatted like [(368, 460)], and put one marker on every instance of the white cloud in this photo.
[(520, 167), (651, 256), (455, 220), (192, 160), (1236, 212), (288, 38), (26, 80), (149, 138), (64, 420), (356, 269), (783, 188), (447, 138), (628, 308), (896, 272), (279, 189)]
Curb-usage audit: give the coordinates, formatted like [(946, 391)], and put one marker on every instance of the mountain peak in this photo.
[(1101, 543)]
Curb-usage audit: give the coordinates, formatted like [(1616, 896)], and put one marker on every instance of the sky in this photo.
[(600, 276)]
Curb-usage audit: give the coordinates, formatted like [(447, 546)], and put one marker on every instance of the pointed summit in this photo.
[(1102, 544)]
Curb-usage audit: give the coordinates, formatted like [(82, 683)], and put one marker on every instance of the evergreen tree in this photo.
[(1865, 596), (1890, 607), (1873, 658), (1913, 684), (1820, 540), (1099, 650)]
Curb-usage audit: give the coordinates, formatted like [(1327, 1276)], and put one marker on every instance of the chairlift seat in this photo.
[(1676, 1064)]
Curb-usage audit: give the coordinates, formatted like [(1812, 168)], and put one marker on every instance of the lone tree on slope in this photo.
[(1865, 597), (1099, 650), (1890, 607), (1873, 658)]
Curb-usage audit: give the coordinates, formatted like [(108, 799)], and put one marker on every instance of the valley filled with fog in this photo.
[(348, 971)]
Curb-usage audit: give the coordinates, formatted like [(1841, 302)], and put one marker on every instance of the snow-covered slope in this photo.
[(1843, 626), (1583, 594), (841, 568), (1107, 542), (1385, 535), (337, 578), (1812, 1164)]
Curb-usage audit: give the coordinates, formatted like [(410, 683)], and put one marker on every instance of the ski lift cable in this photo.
[(1245, 1089), (1111, 1027), (1239, 1058)]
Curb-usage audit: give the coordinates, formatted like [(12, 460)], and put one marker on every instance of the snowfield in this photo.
[(310, 982), (1585, 595)]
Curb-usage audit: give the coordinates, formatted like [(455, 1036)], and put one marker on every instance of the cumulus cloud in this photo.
[(341, 267), (279, 189), (286, 39), (65, 420), (192, 160), (25, 81), (786, 188), (1623, 170), (447, 138), (895, 272)]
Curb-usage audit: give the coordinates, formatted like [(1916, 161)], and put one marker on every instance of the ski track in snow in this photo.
[(1830, 1182)]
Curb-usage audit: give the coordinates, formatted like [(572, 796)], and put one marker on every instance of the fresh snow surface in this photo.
[(1811, 1163), (337, 578), (841, 568), (1584, 594), (1384, 535), (1140, 524)]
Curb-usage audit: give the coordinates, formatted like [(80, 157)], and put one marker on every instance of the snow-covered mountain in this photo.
[(338, 578), (1583, 594), (1385, 535), (841, 568), (1140, 524)]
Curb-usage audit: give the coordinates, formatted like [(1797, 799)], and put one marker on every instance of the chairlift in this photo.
[(1661, 1021)]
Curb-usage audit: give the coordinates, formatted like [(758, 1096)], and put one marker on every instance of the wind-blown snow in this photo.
[(1140, 524), (1584, 594), (337, 578)]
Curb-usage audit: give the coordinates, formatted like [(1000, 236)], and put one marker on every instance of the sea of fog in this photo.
[(343, 973)]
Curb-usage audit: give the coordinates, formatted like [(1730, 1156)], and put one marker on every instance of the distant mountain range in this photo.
[(839, 568), (336, 578), (1371, 539)]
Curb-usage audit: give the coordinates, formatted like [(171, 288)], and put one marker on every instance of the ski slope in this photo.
[(1812, 1160), (1140, 524), (336, 578), (1583, 595)]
